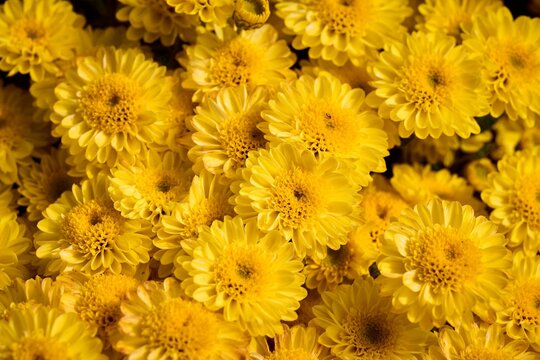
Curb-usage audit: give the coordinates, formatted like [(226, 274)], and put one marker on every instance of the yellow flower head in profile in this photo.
[(253, 57), (308, 199), (159, 322), (510, 50), (111, 106), (359, 323), (215, 13), (151, 187), (47, 333), (513, 193), (430, 86), (479, 342), (439, 261), (343, 30), (36, 36), (207, 201), (254, 277), (477, 172), (83, 231), (328, 117), (451, 16), (14, 247), (227, 129)]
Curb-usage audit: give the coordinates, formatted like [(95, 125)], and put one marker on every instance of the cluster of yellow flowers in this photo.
[(305, 179)]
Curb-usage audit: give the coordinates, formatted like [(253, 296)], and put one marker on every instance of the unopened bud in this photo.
[(251, 14)]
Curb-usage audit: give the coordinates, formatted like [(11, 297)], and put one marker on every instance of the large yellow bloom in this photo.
[(254, 277), (359, 323), (343, 30), (47, 333), (111, 106), (14, 247), (429, 86), (512, 192), (36, 36), (439, 261), (308, 199), (510, 50), (83, 231), (160, 323), (327, 116), (253, 57)]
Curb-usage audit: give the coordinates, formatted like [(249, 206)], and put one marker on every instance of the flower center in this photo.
[(372, 335), (37, 347), (527, 200), (445, 258), (184, 329), (240, 135), (241, 273), (513, 61), (9, 132), (234, 63), (291, 354), (204, 213), (379, 208), (29, 33), (111, 104), (91, 227), (527, 304), (482, 354), (348, 17), (161, 186), (297, 197)]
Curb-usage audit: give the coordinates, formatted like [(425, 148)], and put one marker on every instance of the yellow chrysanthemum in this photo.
[(354, 75), (513, 193), (441, 150), (254, 277), (151, 20), (96, 300), (479, 342), (20, 132), (308, 199), (417, 184), (429, 86), (439, 261), (517, 306), (327, 116), (477, 172), (251, 14), (36, 36), (151, 187), (253, 57), (82, 231), (160, 323), (208, 200), (296, 343), (213, 12), (358, 323), (47, 333), (450, 16), (343, 30), (511, 56), (111, 106), (42, 184), (227, 129), (14, 247)]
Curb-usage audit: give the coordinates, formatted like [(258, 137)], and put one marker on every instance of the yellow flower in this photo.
[(47, 333), (42, 184), (439, 261), (417, 184), (514, 135), (151, 187), (160, 323), (111, 106), (14, 248), (206, 202), (429, 86), (227, 129), (354, 75), (358, 323), (213, 12), (251, 14), (82, 231), (341, 31), (479, 342), (37, 35), (253, 57), (254, 277), (510, 50), (308, 199), (296, 343), (477, 172), (451, 16), (441, 150), (512, 192), (151, 20), (329, 117)]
